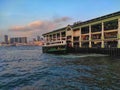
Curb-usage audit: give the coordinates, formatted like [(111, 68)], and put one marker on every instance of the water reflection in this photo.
[(28, 68)]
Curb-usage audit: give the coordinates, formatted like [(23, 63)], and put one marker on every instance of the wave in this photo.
[(80, 55)]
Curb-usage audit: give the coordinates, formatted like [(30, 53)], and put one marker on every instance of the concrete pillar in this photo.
[(48, 38), (119, 33), (90, 36), (44, 38), (60, 36), (72, 36), (80, 39), (102, 36), (52, 37)]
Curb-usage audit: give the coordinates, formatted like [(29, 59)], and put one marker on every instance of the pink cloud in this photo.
[(62, 19), (19, 28), (39, 27), (36, 24)]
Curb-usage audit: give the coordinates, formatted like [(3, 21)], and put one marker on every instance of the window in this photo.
[(110, 25), (76, 38), (96, 36), (85, 37), (96, 27), (63, 34), (85, 30), (68, 29)]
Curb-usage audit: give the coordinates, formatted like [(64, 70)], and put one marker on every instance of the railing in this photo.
[(69, 39), (76, 41), (96, 37), (96, 45), (110, 44), (96, 30), (112, 36), (85, 38), (63, 38)]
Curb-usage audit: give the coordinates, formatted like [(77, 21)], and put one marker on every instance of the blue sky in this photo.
[(17, 14)]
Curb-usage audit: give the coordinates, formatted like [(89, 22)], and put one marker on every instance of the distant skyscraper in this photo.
[(38, 38), (6, 39), (34, 39), (14, 40)]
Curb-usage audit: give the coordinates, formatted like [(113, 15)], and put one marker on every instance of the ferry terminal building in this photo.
[(98, 35)]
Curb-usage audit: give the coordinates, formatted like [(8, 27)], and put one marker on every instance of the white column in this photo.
[(72, 36), (90, 36), (52, 37), (48, 38), (102, 36), (44, 37), (60, 36), (80, 38), (119, 33)]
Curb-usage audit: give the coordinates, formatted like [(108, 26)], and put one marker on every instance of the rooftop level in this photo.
[(80, 23), (97, 19)]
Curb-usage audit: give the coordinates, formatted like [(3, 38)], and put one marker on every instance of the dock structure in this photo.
[(98, 35)]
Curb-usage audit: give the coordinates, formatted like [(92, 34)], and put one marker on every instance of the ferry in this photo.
[(55, 43), (55, 47), (98, 35)]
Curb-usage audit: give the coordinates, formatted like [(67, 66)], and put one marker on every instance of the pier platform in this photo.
[(106, 51)]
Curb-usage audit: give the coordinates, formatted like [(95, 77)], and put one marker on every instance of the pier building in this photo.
[(98, 35)]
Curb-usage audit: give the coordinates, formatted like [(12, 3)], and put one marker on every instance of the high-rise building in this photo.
[(6, 39), (38, 38), (34, 39), (14, 40)]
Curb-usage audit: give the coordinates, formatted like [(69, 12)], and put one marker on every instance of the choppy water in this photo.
[(27, 68)]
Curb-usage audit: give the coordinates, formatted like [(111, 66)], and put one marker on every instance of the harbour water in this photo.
[(27, 68)]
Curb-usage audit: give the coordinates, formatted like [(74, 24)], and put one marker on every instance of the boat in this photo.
[(55, 47)]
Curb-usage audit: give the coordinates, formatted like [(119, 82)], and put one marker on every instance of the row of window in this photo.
[(109, 25), (63, 34), (108, 44), (86, 37)]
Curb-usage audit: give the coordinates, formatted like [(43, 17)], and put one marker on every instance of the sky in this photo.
[(34, 17)]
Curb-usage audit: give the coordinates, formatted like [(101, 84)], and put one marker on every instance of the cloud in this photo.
[(20, 28), (39, 27), (63, 19), (36, 24)]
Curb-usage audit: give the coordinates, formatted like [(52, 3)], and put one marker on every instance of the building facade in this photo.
[(101, 32)]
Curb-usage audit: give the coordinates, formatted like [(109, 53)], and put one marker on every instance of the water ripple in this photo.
[(27, 68)]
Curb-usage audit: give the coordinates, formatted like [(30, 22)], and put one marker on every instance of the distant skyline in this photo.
[(35, 17)]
